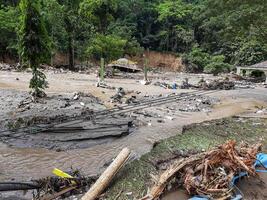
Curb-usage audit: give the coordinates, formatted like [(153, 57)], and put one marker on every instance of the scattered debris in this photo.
[(209, 173), (120, 93), (104, 85), (50, 188), (163, 85), (186, 84), (216, 85), (169, 118), (5, 67), (131, 100), (76, 96)]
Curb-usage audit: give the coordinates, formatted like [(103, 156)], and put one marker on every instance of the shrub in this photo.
[(196, 60), (107, 46), (217, 65)]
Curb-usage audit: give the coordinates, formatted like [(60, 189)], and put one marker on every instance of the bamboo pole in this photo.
[(106, 177)]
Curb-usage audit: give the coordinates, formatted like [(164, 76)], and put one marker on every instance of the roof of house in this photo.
[(260, 65)]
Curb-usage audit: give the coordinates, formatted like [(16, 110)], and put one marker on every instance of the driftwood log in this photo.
[(103, 181)]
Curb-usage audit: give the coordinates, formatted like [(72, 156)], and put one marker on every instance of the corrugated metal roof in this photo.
[(260, 65)]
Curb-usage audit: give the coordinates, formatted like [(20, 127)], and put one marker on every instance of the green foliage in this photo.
[(217, 65), (250, 52), (133, 48), (8, 24), (34, 43), (53, 15), (38, 83), (176, 33), (227, 26), (110, 47), (196, 60), (100, 12), (173, 10), (236, 29)]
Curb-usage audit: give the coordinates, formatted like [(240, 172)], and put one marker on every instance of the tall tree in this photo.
[(100, 12), (176, 33), (53, 15), (8, 24), (71, 21), (236, 28), (34, 44)]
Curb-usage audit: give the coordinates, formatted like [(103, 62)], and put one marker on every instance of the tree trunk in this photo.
[(71, 52), (103, 181)]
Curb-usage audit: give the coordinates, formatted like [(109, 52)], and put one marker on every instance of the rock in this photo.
[(82, 104), (130, 100), (169, 118), (163, 85), (259, 111), (144, 82), (67, 104), (76, 96), (160, 121)]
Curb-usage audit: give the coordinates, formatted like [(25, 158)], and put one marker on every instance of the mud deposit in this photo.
[(29, 157), (78, 120)]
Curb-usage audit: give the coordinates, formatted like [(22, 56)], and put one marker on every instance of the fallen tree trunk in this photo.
[(103, 181)]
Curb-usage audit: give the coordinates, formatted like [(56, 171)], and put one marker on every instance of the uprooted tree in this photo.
[(34, 44)]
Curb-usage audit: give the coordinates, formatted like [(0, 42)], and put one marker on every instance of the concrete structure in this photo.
[(246, 70), (124, 64)]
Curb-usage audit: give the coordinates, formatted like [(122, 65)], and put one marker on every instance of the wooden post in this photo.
[(103, 181), (102, 69)]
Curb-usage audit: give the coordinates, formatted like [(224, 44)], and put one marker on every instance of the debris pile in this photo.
[(244, 84), (54, 187), (120, 93), (186, 84), (216, 85), (101, 84), (166, 85), (209, 173), (203, 84), (5, 67)]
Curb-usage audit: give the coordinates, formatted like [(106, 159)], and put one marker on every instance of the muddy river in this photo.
[(28, 163)]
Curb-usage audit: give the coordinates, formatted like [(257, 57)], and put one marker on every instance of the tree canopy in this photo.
[(235, 30), (34, 44)]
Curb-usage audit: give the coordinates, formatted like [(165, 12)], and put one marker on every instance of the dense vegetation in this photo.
[(34, 44), (211, 35)]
